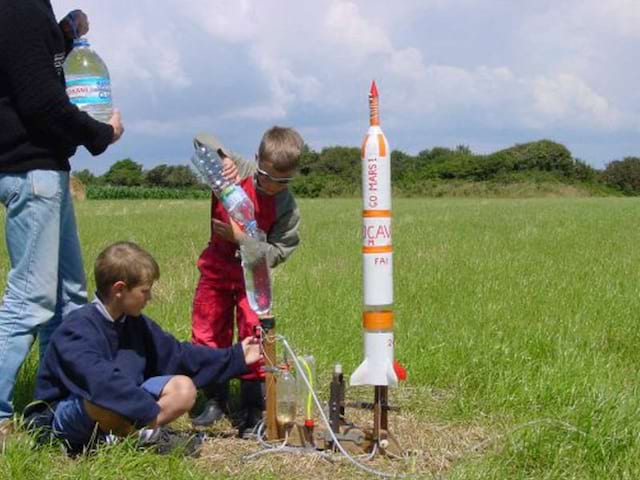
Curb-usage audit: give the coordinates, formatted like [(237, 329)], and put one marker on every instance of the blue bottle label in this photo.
[(230, 196), (89, 91)]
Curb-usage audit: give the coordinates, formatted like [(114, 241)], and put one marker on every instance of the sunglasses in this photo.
[(280, 180)]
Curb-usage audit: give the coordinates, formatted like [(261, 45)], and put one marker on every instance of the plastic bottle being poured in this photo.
[(208, 161)]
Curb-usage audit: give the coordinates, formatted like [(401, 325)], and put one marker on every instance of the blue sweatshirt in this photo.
[(105, 362)]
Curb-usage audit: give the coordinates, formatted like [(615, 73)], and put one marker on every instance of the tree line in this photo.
[(127, 173), (336, 171)]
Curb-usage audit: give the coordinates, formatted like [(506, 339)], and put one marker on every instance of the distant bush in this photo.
[(172, 176), (335, 171), (624, 175), (124, 172)]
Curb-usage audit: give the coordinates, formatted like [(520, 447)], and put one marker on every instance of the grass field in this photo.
[(516, 319)]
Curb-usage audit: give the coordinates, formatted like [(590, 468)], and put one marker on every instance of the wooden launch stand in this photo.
[(354, 439)]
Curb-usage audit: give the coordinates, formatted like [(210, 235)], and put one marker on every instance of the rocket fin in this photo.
[(361, 375), (392, 378), (370, 373)]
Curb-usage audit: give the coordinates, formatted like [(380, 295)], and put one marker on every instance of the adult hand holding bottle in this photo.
[(75, 24), (116, 123)]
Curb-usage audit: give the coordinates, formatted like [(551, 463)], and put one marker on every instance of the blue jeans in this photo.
[(46, 279), (72, 423)]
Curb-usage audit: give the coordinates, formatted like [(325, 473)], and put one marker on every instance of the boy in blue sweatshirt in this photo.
[(111, 369)]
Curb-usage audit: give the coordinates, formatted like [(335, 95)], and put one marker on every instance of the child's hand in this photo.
[(229, 169), (251, 349), (230, 232)]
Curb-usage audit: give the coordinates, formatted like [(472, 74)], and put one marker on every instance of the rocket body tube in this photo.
[(377, 253), (377, 249)]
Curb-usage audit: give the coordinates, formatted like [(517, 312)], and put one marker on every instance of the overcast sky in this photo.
[(484, 73)]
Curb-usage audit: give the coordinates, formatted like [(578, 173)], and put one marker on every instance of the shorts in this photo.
[(72, 423)]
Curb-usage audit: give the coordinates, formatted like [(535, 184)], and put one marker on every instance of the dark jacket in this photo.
[(105, 362), (39, 127)]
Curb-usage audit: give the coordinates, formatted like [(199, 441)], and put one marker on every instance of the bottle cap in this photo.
[(80, 42), (337, 368), (251, 229)]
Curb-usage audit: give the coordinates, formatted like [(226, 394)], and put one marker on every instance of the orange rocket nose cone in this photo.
[(373, 105), (374, 89)]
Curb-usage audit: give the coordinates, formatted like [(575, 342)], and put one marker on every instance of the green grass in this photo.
[(516, 316)]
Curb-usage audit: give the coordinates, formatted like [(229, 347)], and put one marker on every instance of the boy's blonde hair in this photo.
[(127, 262), (282, 147)]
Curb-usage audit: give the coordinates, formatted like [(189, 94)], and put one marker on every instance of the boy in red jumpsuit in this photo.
[(221, 291)]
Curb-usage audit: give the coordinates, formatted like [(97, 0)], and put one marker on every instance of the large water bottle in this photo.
[(88, 81)]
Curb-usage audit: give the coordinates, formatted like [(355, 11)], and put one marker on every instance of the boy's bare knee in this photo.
[(107, 420), (184, 389)]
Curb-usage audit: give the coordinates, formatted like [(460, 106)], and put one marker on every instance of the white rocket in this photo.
[(378, 368)]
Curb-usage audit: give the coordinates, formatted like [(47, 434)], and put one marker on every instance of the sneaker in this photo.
[(165, 441), (251, 418), (212, 413)]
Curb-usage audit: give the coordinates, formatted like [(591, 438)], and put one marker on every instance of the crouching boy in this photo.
[(111, 369)]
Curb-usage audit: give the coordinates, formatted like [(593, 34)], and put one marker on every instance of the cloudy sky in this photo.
[(484, 73)]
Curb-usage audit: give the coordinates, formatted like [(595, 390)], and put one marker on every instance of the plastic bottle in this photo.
[(305, 399), (88, 81), (235, 201), (257, 275), (286, 397), (233, 197)]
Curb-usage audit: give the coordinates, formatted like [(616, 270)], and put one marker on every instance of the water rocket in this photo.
[(378, 367)]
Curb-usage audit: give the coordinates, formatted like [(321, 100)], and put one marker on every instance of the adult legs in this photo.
[(32, 231), (72, 285)]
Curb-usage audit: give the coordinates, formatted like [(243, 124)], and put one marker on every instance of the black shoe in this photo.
[(251, 418), (38, 417), (164, 441), (252, 394), (212, 412)]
